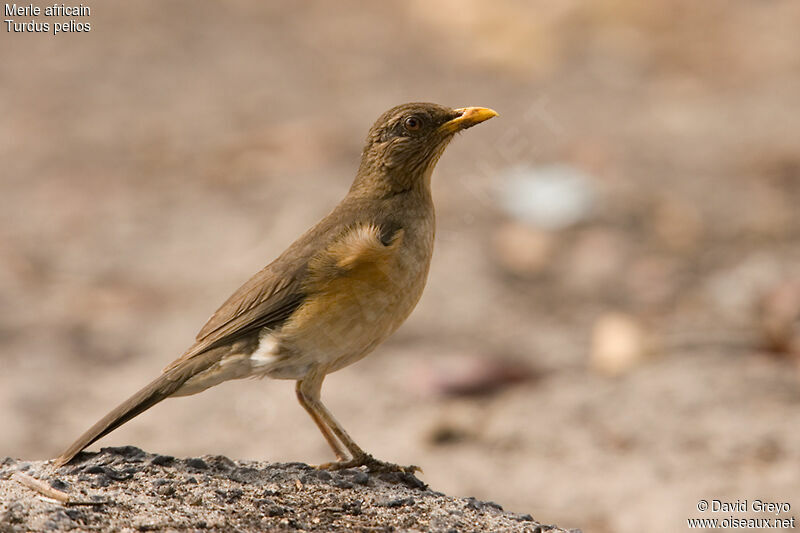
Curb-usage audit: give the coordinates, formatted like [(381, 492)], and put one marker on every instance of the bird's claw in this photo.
[(372, 464)]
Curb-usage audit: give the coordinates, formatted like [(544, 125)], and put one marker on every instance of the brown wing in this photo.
[(267, 299), (272, 295)]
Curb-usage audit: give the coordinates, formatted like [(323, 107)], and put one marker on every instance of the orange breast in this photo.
[(360, 291)]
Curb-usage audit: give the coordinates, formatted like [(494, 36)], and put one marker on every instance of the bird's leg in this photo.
[(335, 445), (309, 391), (360, 457)]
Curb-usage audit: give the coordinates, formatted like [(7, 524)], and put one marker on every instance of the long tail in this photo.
[(160, 388)]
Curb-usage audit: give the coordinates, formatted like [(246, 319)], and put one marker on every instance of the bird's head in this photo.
[(405, 143)]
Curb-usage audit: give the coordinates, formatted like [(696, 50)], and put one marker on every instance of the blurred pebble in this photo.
[(770, 211), (619, 343), (548, 197), (735, 291), (779, 318), (653, 281), (677, 224), (595, 259), (522, 250), (445, 434), (457, 423), (471, 375)]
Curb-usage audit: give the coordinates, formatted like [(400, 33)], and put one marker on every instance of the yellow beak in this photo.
[(469, 117)]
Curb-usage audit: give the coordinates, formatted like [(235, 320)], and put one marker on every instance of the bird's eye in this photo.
[(412, 123)]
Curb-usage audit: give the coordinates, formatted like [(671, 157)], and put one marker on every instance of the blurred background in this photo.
[(610, 330)]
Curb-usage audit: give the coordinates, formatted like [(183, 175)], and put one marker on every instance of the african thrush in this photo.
[(335, 294)]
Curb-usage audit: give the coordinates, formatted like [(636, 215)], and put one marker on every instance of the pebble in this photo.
[(14, 514), (243, 475), (342, 483), (779, 317), (618, 344), (594, 260), (130, 453), (162, 460), (356, 476), (323, 475), (398, 502), (197, 464), (550, 197), (478, 505), (59, 484), (276, 510), (523, 250), (471, 374), (353, 507), (166, 490), (234, 494), (220, 462)]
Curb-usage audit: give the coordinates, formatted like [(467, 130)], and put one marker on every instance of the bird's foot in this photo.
[(372, 464)]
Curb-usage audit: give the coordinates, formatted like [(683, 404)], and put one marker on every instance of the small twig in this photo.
[(49, 492), (41, 487)]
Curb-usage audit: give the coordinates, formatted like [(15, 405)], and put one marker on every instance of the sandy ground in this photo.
[(151, 165)]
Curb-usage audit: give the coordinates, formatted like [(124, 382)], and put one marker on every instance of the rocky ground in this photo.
[(126, 489)]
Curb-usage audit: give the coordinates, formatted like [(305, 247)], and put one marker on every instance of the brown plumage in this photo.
[(335, 293)]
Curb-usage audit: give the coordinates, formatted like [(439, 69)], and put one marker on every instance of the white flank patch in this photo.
[(266, 351)]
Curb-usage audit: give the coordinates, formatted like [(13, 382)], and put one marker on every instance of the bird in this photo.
[(334, 294)]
